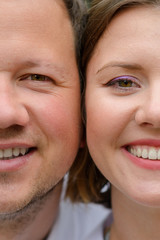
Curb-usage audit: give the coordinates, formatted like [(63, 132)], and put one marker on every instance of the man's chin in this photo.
[(12, 210)]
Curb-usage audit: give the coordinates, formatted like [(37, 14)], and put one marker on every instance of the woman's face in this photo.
[(123, 104)]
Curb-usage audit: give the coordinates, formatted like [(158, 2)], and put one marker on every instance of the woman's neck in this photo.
[(132, 220)]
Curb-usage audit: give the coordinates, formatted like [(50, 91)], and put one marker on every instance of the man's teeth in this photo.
[(151, 153), (12, 153)]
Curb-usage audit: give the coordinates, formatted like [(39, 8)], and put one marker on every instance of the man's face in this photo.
[(39, 99)]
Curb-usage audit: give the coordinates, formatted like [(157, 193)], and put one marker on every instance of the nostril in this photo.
[(146, 124), (148, 116)]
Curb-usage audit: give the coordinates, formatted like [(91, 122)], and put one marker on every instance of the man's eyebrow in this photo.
[(46, 64), (130, 66), (31, 64), (40, 63)]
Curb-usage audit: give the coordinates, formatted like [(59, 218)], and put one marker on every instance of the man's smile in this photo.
[(11, 153)]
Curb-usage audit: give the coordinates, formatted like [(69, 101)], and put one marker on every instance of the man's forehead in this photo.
[(25, 15), (19, 7)]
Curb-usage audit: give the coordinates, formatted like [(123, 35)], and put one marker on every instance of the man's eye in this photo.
[(37, 82), (37, 77)]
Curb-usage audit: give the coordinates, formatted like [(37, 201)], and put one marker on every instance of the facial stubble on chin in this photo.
[(33, 205), (20, 218), (24, 212)]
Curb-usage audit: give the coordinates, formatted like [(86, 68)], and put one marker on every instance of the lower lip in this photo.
[(141, 162), (15, 164)]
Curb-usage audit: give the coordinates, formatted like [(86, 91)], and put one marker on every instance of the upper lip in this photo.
[(147, 142), (15, 145)]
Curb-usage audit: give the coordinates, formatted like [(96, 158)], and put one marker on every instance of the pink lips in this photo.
[(141, 162), (149, 142), (14, 164)]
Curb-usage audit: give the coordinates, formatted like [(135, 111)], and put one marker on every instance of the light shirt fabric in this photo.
[(80, 221), (107, 236)]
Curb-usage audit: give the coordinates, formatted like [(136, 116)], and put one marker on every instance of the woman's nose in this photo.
[(12, 110), (148, 113)]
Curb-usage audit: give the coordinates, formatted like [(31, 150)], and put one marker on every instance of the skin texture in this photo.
[(118, 115), (36, 37)]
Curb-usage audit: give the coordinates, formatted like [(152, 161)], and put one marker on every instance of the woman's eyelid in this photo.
[(124, 78)]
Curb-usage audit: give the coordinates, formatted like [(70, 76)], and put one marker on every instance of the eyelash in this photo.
[(46, 78), (123, 80)]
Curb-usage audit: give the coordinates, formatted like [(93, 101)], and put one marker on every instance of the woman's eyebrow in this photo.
[(132, 66)]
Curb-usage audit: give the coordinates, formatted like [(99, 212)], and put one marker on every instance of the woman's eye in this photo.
[(123, 83)]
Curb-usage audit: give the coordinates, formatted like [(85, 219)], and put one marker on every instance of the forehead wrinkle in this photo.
[(60, 70), (23, 16)]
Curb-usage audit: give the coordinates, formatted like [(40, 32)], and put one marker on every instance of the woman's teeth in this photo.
[(10, 153), (152, 153)]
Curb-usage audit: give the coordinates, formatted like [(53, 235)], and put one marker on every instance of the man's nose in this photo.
[(148, 113), (12, 109)]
